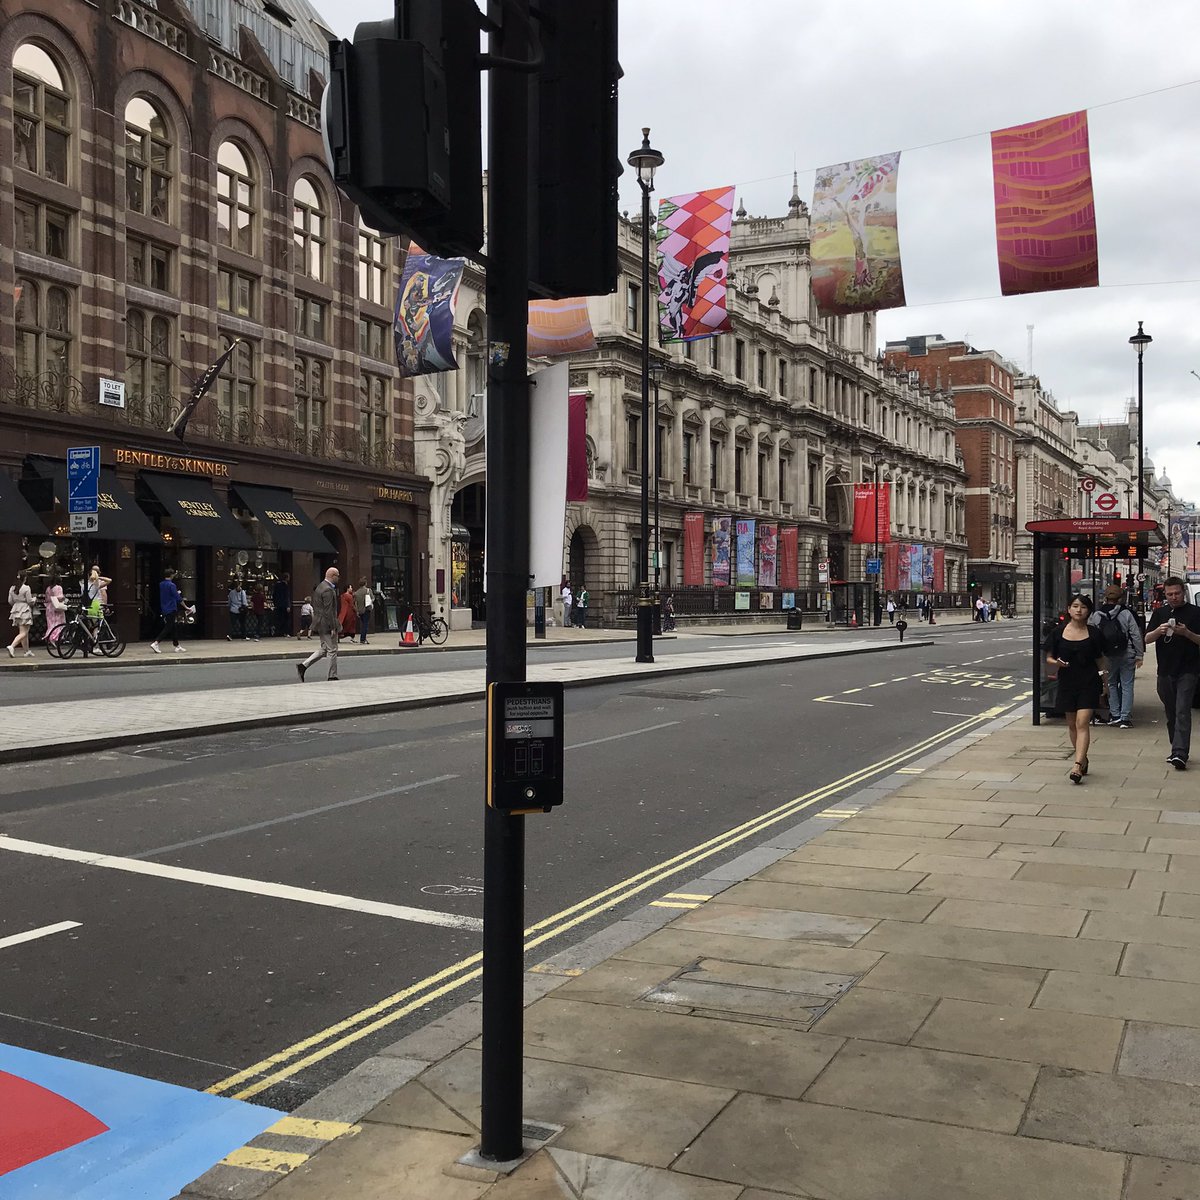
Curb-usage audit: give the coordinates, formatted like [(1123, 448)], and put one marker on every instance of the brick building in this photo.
[(163, 194), (981, 385)]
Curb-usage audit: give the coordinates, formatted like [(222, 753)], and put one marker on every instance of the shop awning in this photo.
[(196, 510), (281, 518), (15, 514), (120, 518)]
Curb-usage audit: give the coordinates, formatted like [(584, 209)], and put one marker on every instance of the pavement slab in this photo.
[(1161, 1179), (954, 864), (993, 983), (802, 1148), (875, 1015), (1075, 876), (826, 875), (882, 859), (841, 901), (1067, 856), (1161, 1052), (1161, 931), (1114, 1112), (1161, 962), (1122, 996), (775, 923), (838, 840), (1015, 918), (1043, 895)]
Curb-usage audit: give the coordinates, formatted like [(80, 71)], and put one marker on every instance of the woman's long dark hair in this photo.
[(1085, 600)]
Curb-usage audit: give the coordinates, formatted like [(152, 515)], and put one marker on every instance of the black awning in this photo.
[(120, 519), (15, 514), (281, 518), (196, 510)]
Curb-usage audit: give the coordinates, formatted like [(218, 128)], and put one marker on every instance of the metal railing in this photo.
[(708, 601)]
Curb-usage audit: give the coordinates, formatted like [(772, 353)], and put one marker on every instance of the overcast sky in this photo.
[(744, 93)]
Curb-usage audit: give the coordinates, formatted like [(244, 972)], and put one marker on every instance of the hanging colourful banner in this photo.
[(916, 567), (1045, 212), (904, 566), (891, 566), (577, 471), (768, 555), (789, 557), (927, 568), (870, 525), (939, 570), (693, 264), (558, 327), (746, 576), (721, 539), (855, 244), (424, 321), (693, 549)]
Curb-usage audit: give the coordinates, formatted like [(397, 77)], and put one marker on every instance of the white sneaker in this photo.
[(28, 653), (180, 650), (11, 652), (154, 647)]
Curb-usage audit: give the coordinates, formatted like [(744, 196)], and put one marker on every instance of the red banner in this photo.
[(789, 558), (577, 477), (891, 567), (693, 549), (1045, 212), (939, 570), (872, 526)]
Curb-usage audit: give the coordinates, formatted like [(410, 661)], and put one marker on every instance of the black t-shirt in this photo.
[(1178, 656), (1081, 656)]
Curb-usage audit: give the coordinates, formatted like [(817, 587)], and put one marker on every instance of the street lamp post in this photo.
[(875, 548), (1139, 342), (645, 161), (656, 620)]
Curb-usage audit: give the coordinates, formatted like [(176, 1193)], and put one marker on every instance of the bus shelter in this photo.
[(1082, 554)]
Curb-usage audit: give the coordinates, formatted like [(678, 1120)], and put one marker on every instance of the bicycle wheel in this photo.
[(108, 643), (70, 640), (439, 631)]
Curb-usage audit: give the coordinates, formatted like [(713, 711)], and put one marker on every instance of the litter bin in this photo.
[(795, 618)]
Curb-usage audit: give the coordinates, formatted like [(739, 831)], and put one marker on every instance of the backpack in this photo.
[(1114, 637)]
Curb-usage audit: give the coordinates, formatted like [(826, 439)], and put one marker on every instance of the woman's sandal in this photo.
[(1076, 775), (1085, 764)]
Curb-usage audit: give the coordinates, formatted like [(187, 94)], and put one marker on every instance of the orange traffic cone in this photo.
[(853, 620), (410, 634)]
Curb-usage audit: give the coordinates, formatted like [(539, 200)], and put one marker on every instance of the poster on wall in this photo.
[(721, 551), (768, 555), (746, 575), (693, 549)]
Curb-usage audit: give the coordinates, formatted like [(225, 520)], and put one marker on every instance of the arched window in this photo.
[(41, 114), (236, 388), (149, 160), (148, 351), (43, 321), (310, 230), (312, 395), (373, 256), (374, 418), (237, 199)]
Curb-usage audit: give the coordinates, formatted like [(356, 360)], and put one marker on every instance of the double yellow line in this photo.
[(290, 1061)]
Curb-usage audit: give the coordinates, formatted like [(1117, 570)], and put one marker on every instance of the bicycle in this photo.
[(86, 633), (433, 628)]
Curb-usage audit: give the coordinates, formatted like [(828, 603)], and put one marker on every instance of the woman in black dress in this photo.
[(1077, 650)]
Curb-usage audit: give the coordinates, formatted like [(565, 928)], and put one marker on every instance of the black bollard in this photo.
[(901, 626)]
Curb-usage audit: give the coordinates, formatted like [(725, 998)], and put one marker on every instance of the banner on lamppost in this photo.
[(746, 575), (721, 549), (424, 319), (693, 549), (939, 570), (693, 264), (768, 555), (789, 557), (872, 525)]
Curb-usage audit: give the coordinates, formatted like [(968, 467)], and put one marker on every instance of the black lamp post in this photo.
[(877, 461), (1139, 342), (645, 160), (656, 369)]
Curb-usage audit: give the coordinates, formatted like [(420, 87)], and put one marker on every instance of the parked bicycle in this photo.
[(85, 634), (432, 628)]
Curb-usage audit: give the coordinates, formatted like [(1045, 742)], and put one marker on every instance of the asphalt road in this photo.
[(173, 973)]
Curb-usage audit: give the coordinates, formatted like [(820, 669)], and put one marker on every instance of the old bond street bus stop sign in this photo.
[(1078, 554)]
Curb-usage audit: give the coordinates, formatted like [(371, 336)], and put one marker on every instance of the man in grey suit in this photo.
[(325, 622)]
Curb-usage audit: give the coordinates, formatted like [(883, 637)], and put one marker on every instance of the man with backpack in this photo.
[(1124, 649)]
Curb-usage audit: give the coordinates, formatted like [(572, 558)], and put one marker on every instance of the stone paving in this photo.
[(984, 986)]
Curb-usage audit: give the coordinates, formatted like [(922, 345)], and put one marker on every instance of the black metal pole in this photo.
[(1038, 665), (1141, 479), (507, 574), (645, 617), (657, 460)]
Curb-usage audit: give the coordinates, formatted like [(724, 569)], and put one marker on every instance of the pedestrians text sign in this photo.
[(83, 488)]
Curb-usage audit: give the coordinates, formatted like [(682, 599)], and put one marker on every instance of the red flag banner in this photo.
[(693, 549), (870, 528), (891, 566), (939, 569), (577, 475), (1045, 212), (789, 558)]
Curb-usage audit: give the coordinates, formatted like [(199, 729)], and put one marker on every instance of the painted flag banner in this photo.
[(789, 557), (745, 554), (927, 568), (855, 244), (577, 472), (939, 570), (693, 264), (721, 550), (768, 555), (1045, 212), (693, 549), (916, 567), (558, 327), (424, 323), (865, 524), (891, 566)]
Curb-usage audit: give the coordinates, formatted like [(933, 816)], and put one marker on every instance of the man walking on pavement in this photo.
[(1124, 650), (169, 601), (1175, 630), (325, 621)]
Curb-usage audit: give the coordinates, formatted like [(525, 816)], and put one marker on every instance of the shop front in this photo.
[(393, 569)]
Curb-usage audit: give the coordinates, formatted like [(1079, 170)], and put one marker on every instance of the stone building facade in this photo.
[(164, 189)]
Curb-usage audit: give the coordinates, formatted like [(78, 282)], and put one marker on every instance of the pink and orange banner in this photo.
[(693, 264), (558, 327), (1045, 211)]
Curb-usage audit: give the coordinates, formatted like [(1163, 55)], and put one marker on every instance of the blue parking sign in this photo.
[(83, 479)]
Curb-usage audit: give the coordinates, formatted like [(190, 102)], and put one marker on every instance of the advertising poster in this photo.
[(746, 576), (768, 555), (721, 551)]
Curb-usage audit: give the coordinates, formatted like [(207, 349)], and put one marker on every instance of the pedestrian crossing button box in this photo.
[(525, 746)]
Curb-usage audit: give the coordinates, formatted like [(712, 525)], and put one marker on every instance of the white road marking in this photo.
[(848, 703), (253, 887), (32, 935), (616, 737), (936, 713)]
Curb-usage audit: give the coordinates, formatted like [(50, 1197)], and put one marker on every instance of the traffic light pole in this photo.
[(508, 427)]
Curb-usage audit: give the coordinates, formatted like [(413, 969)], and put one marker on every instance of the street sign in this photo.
[(1106, 502), (1141, 577), (823, 570), (83, 479), (1087, 484), (85, 522), (872, 566)]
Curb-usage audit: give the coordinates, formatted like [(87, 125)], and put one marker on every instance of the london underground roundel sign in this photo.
[(1105, 502)]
